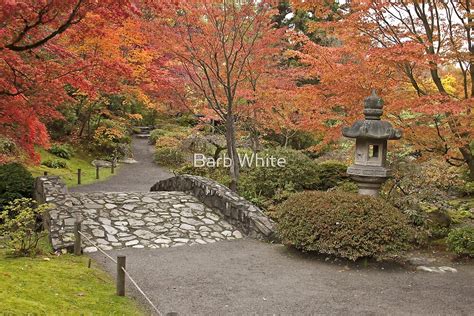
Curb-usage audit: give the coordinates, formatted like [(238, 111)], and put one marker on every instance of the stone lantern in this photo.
[(370, 170)]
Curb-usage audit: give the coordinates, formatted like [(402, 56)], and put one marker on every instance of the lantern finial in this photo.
[(373, 106)]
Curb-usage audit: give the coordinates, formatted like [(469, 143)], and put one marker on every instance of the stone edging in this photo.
[(237, 211), (52, 190)]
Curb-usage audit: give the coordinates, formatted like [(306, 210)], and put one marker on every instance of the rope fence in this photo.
[(120, 262)]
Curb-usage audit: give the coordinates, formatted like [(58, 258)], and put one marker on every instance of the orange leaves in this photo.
[(47, 45)]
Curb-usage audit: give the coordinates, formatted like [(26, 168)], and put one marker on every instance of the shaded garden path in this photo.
[(246, 277), (137, 177)]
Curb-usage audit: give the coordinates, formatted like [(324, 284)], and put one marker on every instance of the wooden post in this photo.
[(45, 173), (121, 275), (79, 176), (112, 168), (77, 238), (97, 172)]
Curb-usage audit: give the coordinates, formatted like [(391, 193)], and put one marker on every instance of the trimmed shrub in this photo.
[(331, 174), (345, 225), (61, 150), (55, 164), (461, 241), (15, 182), (20, 224), (169, 157), (300, 173)]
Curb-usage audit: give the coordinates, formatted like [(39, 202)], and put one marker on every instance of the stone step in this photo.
[(143, 135)]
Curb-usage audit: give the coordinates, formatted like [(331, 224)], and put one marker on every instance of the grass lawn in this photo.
[(58, 285), (78, 161)]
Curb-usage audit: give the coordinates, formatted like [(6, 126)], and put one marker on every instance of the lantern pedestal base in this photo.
[(369, 185)]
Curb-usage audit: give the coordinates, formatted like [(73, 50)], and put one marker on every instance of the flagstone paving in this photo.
[(148, 220)]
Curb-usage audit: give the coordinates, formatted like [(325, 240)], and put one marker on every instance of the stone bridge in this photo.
[(183, 210)]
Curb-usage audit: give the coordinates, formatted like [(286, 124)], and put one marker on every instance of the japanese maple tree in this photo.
[(418, 54), (37, 62), (214, 49)]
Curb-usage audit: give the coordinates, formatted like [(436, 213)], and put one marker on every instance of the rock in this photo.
[(110, 229), (129, 207), (196, 206), (105, 221), (101, 163), (187, 227), (138, 246), (141, 211), (190, 221), (111, 238), (101, 241), (135, 222), (89, 249), (162, 241), (110, 206), (98, 233), (208, 221), (154, 220), (147, 199), (226, 233), (144, 234), (420, 261), (131, 243), (431, 269), (128, 161), (181, 240), (448, 269), (216, 234), (237, 234)]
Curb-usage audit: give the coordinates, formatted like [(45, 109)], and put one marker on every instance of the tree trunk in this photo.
[(232, 152), (469, 158)]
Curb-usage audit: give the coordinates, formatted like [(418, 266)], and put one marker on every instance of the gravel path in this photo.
[(247, 277), (138, 177)]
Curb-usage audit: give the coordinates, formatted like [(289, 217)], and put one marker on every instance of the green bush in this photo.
[(155, 134), (55, 164), (300, 173), (331, 174), (15, 182), (169, 157), (299, 140), (7, 146), (461, 241), (220, 175), (345, 225), (61, 150), (20, 226), (347, 186), (187, 120)]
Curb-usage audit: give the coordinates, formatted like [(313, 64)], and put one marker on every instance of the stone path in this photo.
[(137, 177), (151, 219)]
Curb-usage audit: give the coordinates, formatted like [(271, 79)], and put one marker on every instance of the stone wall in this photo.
[(61, 216), (236, 210)]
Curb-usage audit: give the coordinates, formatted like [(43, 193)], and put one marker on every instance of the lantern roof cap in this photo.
[(372, 127)]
